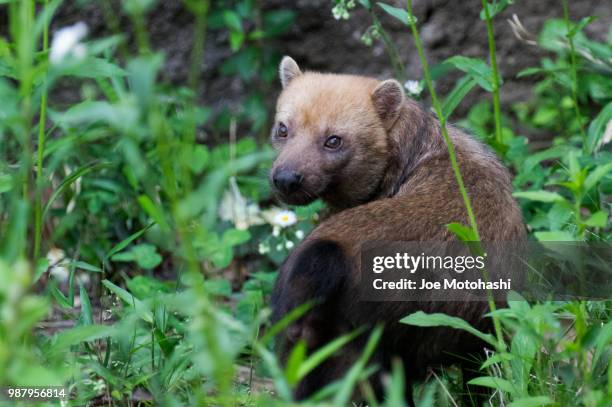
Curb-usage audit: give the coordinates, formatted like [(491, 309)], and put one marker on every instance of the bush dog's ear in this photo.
[(388, 98), (288, 70)]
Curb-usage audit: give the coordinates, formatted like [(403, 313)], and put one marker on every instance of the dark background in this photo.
[(319, 42)]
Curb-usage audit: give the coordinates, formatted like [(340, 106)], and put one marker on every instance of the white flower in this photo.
[(279, 247), (276, 231), (58, 266), (413, 87), (66, 42), (235, 208), (284, 218), (299, 234), (341, 10), (263, 248), (289, 244)]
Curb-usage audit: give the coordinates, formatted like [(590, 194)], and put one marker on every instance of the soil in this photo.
[(319, 42)]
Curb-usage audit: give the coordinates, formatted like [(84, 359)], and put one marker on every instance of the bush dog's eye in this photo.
[(333, 142), (282, 130)]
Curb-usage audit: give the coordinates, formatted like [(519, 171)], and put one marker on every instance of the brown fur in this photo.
[(393, 183)]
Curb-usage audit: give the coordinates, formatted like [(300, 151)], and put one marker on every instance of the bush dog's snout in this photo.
[(287, 181)]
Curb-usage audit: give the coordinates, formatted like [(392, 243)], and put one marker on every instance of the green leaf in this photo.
[(536, 401), (85, 266), (531, 71), (597, 220), (143, 287), (555, 152), (597, 174), (44, 17), (6, 183), (325, 352), (294, 361), (602, 342), (121, 116), (555, 236), (140, 307), (461, 89), (125, 242), (143, 71), (399, 13), (235, 237), (476, 68), (92, 68), (576, 28), (422, 319), (496, 359), (236, 40), (277, 22), (348, 383), (60, 297), (287, 320), (79, 334), (278, 377), (137, 7), (86, 317), (539, 196), (144, 254), (218, 287), (559, 215), (494, 383), (495, 8), (232, 20), (222, 257), (72, 177), (153, 210), (598, 127), (199, 157), (464, 233)]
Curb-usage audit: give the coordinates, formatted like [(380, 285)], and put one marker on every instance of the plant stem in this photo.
[(41, 148), (21, 22), (453, 158), (25, 55), (199, 40), (200, 10), (142, 38), (438, 109), (574, 71), (394, 55), (494, 68)]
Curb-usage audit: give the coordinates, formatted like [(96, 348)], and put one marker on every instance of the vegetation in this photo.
[(138, 250)]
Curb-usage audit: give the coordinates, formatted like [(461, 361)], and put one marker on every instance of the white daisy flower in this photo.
[(284, 218), (299, 234), (66, 41), (413, 87)]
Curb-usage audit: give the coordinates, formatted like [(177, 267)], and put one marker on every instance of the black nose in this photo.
[(287, 181)]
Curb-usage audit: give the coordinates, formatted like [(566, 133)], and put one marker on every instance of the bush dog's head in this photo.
[(330, 132)]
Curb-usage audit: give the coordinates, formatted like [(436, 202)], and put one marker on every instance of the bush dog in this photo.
[(379, 162)]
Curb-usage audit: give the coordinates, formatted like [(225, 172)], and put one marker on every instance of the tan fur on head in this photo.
[(314, 107), (288, 70)]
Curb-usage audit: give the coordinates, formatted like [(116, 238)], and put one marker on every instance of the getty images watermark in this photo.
[(454, 271)]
